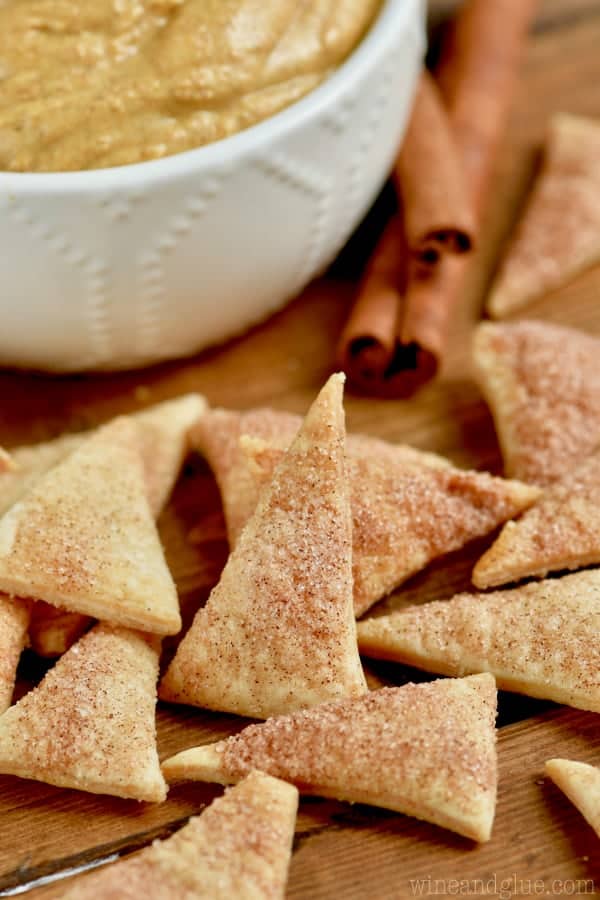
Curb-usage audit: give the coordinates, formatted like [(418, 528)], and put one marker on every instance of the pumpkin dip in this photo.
[(86, 84)]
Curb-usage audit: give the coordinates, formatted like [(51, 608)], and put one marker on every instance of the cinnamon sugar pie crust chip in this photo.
[(83, 538), (163, 431), (542, 383), (581, 783), (540, 639), (240, 847), (14, 621), (90, 723), (408, 507), (559, 234), (562, 531), (426, 750), (278, 631)]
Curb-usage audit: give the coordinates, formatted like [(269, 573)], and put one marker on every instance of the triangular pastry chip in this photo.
[(559, 234), (540, 639), (217, 436), (408, 506), (83, 538), (427, 750), (278, 631), (562, 531), (581, 783), (14, 619), (164, 437), (542, 383), (90, 723), (240, 847)]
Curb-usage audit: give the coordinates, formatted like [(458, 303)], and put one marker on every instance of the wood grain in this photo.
[(342, 851)]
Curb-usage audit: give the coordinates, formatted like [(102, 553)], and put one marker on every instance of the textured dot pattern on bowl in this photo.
[(119, 268)]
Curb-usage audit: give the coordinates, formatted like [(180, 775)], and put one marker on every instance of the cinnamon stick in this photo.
[(368, 341), (478, 73), (429, 178)]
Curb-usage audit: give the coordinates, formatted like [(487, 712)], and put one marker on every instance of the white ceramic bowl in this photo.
[(123, 267)]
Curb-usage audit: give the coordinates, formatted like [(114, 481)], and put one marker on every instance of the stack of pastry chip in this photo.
[(79, 540), (543, 386), (321, 527), (319, 533), (407, 508)]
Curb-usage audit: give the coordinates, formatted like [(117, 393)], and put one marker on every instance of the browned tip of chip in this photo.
[(426, 750), (240, 846), (538, 639), (89, 724), (559, 233), (581, 784)]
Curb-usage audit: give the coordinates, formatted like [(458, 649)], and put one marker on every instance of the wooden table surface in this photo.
[(540, 844)]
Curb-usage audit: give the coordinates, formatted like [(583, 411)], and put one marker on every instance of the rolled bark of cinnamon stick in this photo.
[(478, 73), (429, 178), (368, 340)]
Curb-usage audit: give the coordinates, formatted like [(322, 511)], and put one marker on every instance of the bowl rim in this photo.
[(225, 151)]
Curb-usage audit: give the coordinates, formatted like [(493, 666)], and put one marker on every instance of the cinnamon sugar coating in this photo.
[(542, 383), (408, 506), (14, 620), (540, 639), (426, 750), (562, 531), (559, 233), (89, 724), (163, 433), (83, 537), (278, 631), (581, 783), (239, 848)]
